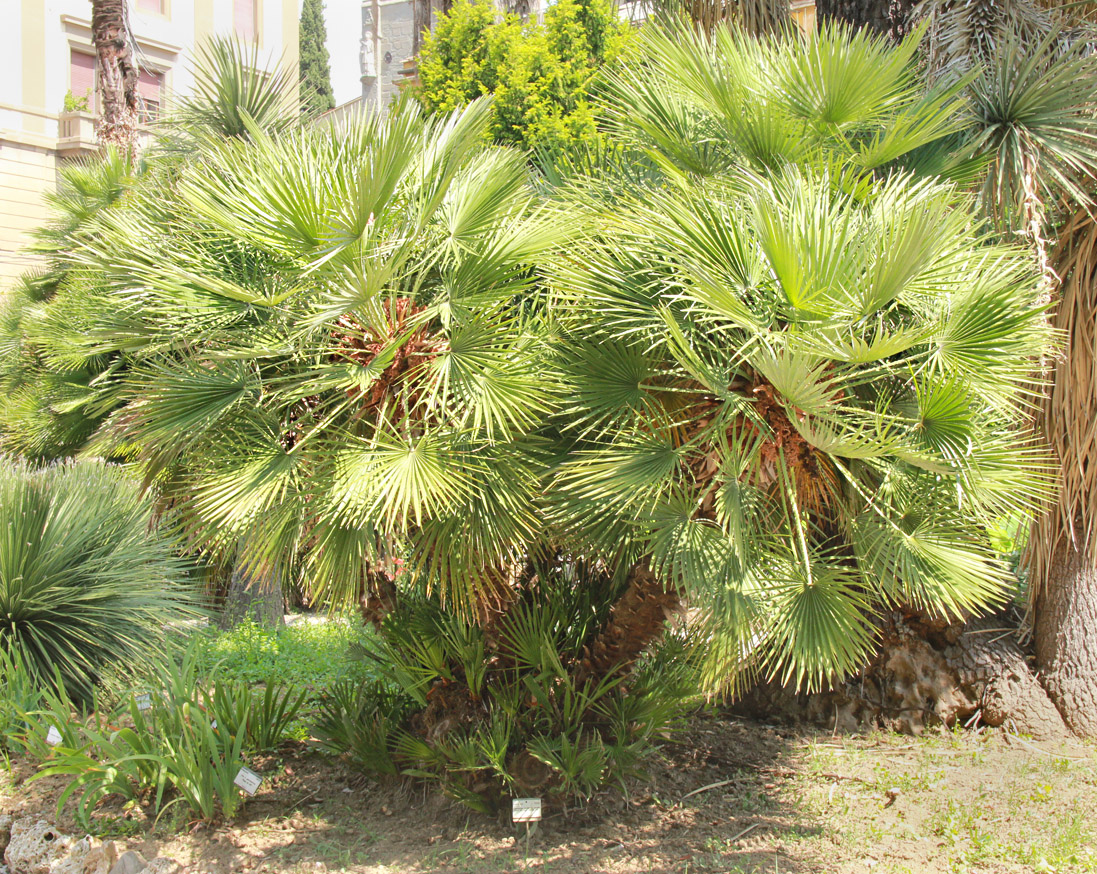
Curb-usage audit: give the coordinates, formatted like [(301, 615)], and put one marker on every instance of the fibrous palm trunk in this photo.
[(889, 18), (636, 621), (1062, 552), (117, 75)]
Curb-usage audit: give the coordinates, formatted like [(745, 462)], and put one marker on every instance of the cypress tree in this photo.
[(316, 93)]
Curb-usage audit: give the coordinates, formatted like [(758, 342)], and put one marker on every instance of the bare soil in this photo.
[(726, 796)]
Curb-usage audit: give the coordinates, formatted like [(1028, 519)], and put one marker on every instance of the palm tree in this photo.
[(331, 349), (795, 373), (117, 75)]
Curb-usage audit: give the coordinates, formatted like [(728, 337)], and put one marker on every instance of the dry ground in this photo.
[(727, 796)]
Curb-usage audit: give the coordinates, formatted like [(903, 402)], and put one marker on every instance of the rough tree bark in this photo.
[(928, 673), (1066, 638), (636, 621), (889, 18), (117, 75)]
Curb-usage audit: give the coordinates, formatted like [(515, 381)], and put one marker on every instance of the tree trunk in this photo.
[(636, 621), (117, 75), (889, 18), (1061, 547), (253, 595), (1066, 638)]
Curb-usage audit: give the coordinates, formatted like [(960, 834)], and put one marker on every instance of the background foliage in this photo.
[(541, 75), (315, 65)]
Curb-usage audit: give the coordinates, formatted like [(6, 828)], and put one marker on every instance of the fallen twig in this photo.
[(749, 828), (716, 785)]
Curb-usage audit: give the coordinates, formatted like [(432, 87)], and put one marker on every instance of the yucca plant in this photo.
[(797, 373), (86, 579)]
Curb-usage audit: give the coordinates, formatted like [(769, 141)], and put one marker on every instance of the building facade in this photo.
[(47, 86)]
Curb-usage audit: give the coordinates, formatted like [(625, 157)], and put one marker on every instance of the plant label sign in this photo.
[(53, 736), (144, 702), (248, 780), (526, 810)]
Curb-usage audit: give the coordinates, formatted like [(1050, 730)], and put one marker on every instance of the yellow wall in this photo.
[(33, 42), (26, 173), (291, 26)]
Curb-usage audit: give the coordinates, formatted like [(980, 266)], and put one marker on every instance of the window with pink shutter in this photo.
[(82, 77), (243, 18), (150, 85)]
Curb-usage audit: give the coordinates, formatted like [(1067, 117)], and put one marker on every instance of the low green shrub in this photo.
[(308, 655), (180, 738), (486, 713), (86, 579)]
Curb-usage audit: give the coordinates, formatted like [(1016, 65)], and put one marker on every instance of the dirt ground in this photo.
[(726, 796)]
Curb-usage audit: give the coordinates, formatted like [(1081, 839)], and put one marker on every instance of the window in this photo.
[(82, 79), (243, 18), (151, 6), (150, 85)]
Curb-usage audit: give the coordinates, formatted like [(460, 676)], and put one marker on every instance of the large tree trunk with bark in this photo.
[(889, 18), (1066, 638), (117, 75), (1061, 550)]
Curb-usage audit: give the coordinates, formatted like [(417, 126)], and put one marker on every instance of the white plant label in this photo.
[(526, 810), (213, 725), (248, 780), (144, 702), (53, 736)]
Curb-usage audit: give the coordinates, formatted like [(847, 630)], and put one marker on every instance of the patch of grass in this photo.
[(305, 655)]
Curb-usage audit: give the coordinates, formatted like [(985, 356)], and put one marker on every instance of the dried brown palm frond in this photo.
[(1068, 412)]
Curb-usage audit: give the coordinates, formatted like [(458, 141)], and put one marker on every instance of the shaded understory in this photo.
[(726, 796)]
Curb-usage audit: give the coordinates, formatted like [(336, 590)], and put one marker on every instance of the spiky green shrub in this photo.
[(507, 706), (86, 579)]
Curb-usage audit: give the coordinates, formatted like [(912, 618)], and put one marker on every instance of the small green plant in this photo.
[(178, 739), (263, 716), (77, 104), (20, 694)]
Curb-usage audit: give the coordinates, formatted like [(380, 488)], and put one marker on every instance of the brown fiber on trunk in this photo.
[(636, 621), (117, 75)]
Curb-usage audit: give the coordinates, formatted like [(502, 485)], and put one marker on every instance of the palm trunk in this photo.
[(117, 75), (1066, 638), (1061, 547), (889, 18), (636, 621), (253, 594)]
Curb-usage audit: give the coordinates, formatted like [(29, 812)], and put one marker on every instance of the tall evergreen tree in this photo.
[(316, 93)]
